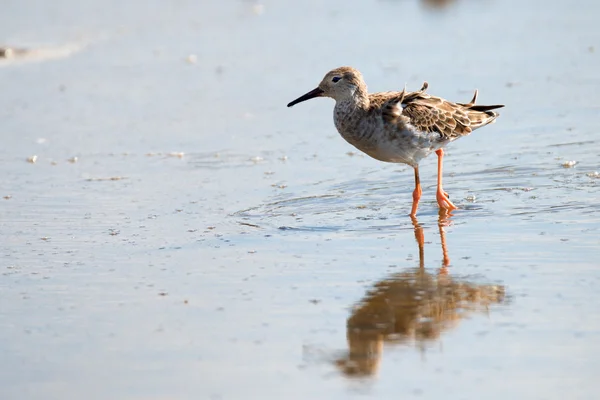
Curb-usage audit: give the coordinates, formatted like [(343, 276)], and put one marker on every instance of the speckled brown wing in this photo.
[(450, 120), (390, 103), (437, 115)]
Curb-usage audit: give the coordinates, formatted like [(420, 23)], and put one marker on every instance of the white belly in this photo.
[(405, 149)]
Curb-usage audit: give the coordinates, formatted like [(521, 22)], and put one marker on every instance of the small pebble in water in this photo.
[(32, 159), (6, 52), (258, 9), (72, 160), (471, 198), (191, 59), (569, 164), (594, 174)]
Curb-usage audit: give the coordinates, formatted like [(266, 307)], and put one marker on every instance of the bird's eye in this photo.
[(335, 79)]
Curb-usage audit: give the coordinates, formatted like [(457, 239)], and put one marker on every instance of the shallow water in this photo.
[(182, 234)]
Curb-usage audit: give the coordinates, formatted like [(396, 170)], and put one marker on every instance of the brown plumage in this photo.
[(402, 127), (433, 114)]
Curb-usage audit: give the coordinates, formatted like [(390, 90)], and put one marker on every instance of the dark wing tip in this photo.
[(486, 108)]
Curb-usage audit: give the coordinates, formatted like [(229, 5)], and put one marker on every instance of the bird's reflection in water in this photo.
[(412, 307)]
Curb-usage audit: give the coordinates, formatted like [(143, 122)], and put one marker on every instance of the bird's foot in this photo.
[(444, 201)]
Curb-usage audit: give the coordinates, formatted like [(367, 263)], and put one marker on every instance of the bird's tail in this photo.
[(480, 115)]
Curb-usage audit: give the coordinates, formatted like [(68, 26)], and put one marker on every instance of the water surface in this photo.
[(182, 234)]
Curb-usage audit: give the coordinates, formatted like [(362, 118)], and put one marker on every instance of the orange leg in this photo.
[(416, 193), (442, 197)]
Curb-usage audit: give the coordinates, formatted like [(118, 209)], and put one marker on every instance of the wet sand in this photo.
[(171, 230)]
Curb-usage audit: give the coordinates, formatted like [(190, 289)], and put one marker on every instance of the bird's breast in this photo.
[(388, 143)]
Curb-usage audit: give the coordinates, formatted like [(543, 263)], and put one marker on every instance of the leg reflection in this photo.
[(420, 238), (443, 221)]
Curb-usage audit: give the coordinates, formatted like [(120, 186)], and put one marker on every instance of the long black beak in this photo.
[(310, 95)]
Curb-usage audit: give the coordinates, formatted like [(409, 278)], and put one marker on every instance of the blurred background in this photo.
[(170, 230)]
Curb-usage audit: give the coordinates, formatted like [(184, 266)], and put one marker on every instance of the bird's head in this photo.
[(341, 84)]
